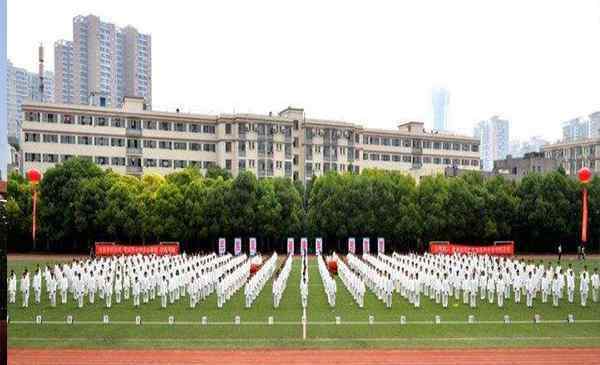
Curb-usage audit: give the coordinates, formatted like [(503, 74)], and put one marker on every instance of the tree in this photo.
[(214, 172)]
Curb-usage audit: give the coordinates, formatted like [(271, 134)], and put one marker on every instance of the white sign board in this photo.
[(252, 246), (381, 245), (290, 246), (366, 245), (222, 246), (351, 245), (303, 246), (237, 246), (319, 246)]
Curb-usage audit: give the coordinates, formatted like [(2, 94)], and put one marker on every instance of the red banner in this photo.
[(110, 249), (507, 249)]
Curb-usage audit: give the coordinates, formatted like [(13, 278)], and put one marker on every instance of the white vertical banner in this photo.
[(351, 245), (290, 246), (303, 246), (237, 246), (318, 245), (252, 246), (381, 245), (366, 245), (222, 246)]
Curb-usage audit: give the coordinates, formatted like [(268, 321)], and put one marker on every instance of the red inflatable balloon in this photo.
[(34, 176), (585, 175)]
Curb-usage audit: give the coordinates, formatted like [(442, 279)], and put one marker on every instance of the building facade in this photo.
[(515, 168), (21, 86), (440, 99), (134, 141), (574, 155), (494, 136), (103, 61), (520, 148)]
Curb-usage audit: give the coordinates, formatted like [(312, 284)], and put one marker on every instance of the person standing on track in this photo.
[(595, 285), (25, 284), (12, 287)]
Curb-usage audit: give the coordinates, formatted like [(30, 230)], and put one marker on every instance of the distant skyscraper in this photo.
[(104, 61), (576, 129), (440, 99), (21, 86), (493, 134)]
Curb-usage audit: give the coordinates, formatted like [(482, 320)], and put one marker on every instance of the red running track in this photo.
[(532, 356)]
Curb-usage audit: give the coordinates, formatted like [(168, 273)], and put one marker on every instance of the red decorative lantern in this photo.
[(34, 176), (585, 175)]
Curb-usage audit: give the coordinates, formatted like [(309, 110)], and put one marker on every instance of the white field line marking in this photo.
[(305, 323), (323, 339)]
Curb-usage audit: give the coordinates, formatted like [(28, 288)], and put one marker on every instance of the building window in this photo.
[(180, 127), (475, 148), (33, 157), (385, 157), (446, 146), (148, 143), (195, 146), (180, 164), (228, 128), (149, 162), (228, 145), (209, 147), (278, 165), (427, 144), (117, 122), (166, 163), (406, 158), (475, 162), (117, 142), (85, 140), (165, 145), (436, 145), (50, 138), (426, 159), (149, 124), (396, 158), (242, 164), (165, 126), (208, 129), (101, 122), (118, 161), (374, 157), (365, 156), (228, 164), (85, 120), (67, 119), (195, 128), (180, 145), (67, 139), (50, 157), (49, 117), (32, 116), (32, 137), (101, 141), (101, 160)]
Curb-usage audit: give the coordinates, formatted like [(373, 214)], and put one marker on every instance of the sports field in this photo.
[(289, 331)]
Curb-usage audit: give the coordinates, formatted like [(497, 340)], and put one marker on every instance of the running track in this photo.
[(534, 356)]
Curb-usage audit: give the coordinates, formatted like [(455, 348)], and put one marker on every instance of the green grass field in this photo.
[(287, 330)]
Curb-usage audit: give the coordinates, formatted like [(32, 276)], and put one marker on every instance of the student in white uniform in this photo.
[(79, 290), (63, 286), (517, 285), (473, 291), (37, 285), (25, 285), (118, 289), (491, 286), (595, 285), (584, 286), (556, 288), (52, 284), (12, 287), (163, 292), (570, 285), (530, 290), (126, 286), (500, 290), (108, 291), (136, 289), (445, 290), (91, 287)]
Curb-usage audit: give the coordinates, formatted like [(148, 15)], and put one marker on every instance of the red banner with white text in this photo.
[(111, 249), (504, 249)]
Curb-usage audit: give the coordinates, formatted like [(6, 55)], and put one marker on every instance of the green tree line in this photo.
[(80, 203)]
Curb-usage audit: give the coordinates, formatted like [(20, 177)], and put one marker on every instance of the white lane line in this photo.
[(306, 322)]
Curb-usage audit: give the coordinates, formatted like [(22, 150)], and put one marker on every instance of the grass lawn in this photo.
[(287, 330)]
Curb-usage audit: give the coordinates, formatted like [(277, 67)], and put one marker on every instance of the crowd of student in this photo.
[(471, 278)]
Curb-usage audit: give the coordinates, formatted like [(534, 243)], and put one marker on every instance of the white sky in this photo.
[(535, 62)]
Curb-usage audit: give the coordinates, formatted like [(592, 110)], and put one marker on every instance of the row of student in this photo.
[(141, 277)]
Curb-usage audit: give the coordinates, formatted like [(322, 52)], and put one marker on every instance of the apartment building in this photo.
[(135, 140), (573, 155), (103, 61)]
